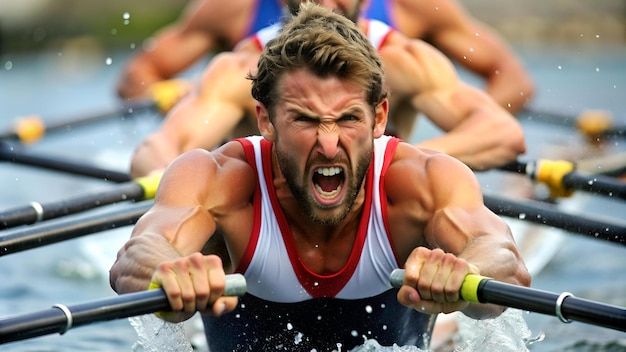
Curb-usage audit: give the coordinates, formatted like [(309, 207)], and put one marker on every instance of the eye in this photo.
[(304, 118), (349, 117)]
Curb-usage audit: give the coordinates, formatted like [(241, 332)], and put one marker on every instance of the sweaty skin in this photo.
[(437, 220)]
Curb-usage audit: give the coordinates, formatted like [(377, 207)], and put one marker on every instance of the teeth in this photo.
[(328, 171)]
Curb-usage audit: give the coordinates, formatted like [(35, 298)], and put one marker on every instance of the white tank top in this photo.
[(377, 32), (271, 263)]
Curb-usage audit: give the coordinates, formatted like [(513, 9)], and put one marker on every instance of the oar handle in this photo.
[(565, 306), (60, 318), (469, 288)]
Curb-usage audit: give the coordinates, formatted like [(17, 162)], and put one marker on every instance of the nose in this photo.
[(328, 139)]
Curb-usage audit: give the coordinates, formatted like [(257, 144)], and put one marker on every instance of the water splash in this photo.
[(508, 332), (157, 335)]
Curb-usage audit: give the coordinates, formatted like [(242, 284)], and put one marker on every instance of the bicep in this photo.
[(459, 214)]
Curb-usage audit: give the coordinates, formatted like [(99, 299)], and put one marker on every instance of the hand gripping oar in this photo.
[(31, 129), (141, 188), (60, 318), (71, 226), (562, 179), (565, 306), (19, 154), (546, 214)]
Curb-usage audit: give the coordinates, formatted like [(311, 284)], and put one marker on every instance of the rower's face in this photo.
[(323, 141), (348, 8)]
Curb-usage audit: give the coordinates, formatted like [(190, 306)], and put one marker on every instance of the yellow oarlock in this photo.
[(30, 129), (594, 122), (168, 93), (551, 172), (149, 184)]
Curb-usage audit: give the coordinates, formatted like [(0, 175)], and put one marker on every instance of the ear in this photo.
[(380, 123), (263, 122)]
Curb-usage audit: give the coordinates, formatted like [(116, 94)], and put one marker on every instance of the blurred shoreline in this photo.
[(33, 25)]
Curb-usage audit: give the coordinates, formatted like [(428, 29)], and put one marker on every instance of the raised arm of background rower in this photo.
[(446, 193), (205, 26), (202, 120), (471, 43), (479, 132)]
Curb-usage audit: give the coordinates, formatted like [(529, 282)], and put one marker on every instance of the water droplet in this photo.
[(471, 50), (368, 309), (522, 216), (126, 16), (108, 61), (289, 326), (8, 65), (559, 67), (354, 333)]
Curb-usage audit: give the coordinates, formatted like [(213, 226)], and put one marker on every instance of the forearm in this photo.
[(510, 86), (137, 77), (136, 262), (504, 263), (481, 142), (154, 154)]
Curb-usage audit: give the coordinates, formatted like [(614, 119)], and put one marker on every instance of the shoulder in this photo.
[(428, 176), (222, 171)]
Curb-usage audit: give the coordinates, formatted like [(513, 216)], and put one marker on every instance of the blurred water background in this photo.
[(62, 58)]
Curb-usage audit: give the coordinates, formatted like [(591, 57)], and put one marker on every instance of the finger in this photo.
[(428, 275), (224, 305), (164, 276), (460, 270), (199, 280), (187, 290), (440, 288), (217, 277)]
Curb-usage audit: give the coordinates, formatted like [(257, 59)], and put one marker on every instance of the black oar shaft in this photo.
[(35, 212), (55, 319), (69, 227), (61, 318), (21, 155), (545, 214), (565, 306), (603, 185), (126, 108), (572, 180)]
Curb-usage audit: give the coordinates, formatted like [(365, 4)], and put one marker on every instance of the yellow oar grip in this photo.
[(469, 288), (167, 93), (551, 172), (594, 122), (150, 184), (30, 129)]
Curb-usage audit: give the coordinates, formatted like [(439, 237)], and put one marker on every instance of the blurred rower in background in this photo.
[(209, 26)]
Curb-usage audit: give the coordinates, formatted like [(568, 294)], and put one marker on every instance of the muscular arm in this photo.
[(203, 120), (460, 236), (205, 26), (478, 131), (196, 194), (472, 44)]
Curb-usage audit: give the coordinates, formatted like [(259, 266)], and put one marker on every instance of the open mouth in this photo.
[(328, 182)]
